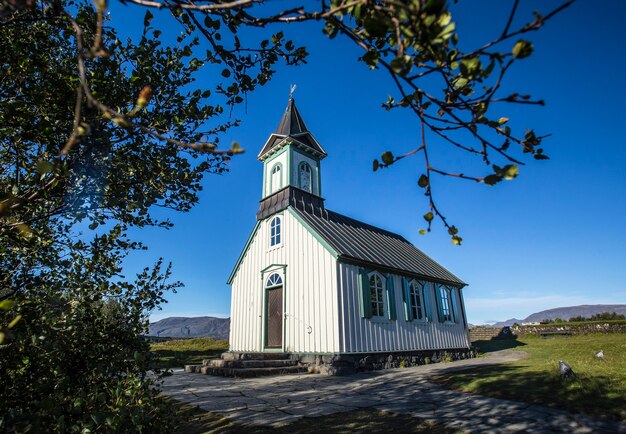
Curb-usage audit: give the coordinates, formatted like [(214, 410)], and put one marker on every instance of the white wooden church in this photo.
[(312, 281)]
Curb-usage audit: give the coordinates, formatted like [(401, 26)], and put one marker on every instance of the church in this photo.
[(311, 281)]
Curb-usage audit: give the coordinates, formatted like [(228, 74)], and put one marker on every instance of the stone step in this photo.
[(254, 356), (193, 368), (252, 372), (219, 363)]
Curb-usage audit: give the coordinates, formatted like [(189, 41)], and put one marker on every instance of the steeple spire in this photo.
[(291, 124), (291, 129)]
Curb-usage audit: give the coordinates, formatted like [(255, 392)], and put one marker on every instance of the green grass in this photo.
[(369, 420), (179, 352), (599, 389)]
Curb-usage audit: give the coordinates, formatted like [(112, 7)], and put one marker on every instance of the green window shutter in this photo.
[(463, 315), (439, 302), (391, 298), (455, 306), (365, 298), (427, 303), (406, 298)]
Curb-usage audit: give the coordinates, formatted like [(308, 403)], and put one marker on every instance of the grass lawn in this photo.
[(179, 352), (599, 389), (367, 420)]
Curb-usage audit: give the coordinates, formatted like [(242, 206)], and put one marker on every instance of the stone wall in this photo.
[(484, 333), (575, 329), (344, 364)]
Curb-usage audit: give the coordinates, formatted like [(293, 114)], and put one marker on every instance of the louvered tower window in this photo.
[(305, 177)]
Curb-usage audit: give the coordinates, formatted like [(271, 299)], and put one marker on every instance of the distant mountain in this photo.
[(200, 326), (565, 313), (508, 322), (585, 310)]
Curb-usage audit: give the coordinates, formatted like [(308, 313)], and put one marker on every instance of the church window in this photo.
[(305, 177), (376, 295), (274, 280), (445, 300), (416, 292), (276, 180), (275, 235)]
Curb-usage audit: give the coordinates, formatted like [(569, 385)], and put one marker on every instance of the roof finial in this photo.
[(293, 89)]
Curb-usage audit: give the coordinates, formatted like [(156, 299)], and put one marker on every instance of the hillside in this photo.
[(201, 326), (585, 310), (566, 313), (508, 322)]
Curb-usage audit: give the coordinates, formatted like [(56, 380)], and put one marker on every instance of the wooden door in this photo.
[(274, 318)]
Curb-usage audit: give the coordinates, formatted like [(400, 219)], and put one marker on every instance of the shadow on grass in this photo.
[(594, 396), (368, 420), (489, 346)]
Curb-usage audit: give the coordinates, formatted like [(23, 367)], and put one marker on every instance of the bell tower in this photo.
[(291, 157)]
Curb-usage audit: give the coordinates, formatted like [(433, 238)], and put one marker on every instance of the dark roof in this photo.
[(292, 126), (359, 243), (291, 123), (289, 196)]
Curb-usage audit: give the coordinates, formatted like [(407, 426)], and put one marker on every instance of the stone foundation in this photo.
[(345, 364)]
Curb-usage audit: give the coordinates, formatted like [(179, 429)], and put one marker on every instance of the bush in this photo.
[(76, 362)]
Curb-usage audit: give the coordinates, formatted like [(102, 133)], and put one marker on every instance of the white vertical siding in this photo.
[(310, 291), (247, 299), (361, 335)]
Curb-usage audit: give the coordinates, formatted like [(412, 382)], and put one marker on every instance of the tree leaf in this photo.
[(387, 157), (491, 179), (7, 304), (522, 49), (44, 167)]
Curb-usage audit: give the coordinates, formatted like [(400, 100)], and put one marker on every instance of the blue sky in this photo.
[(552, 237)]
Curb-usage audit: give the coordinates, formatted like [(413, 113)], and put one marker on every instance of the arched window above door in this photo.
[(274, 280)]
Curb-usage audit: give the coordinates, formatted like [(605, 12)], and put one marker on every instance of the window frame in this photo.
[(277, 282), (377, 299), (276, 232), (418, 308), (277, 167), (446, 304)]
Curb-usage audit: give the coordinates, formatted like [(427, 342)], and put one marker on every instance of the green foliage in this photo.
[(446, 87), (95, 132), (604, 316), (76, 360)]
